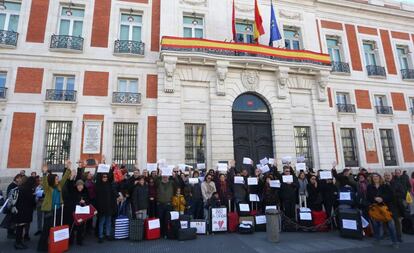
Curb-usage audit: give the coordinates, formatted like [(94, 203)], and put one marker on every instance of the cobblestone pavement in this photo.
[(289, 243)]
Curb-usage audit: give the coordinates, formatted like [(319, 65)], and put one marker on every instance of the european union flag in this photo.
[(274, 29)]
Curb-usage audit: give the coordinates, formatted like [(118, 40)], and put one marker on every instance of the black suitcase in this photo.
[(350, 223), (245, 228), (243, 213), (408, 225), (260, 223), (305, 217), (136, 229), (187, 234)]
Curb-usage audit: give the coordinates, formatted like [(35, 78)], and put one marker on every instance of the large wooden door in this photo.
[(252, 130)]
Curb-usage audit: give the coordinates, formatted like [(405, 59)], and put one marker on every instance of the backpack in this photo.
[(12, 197)]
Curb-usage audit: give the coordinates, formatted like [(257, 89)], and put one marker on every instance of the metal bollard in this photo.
[(272, 225)]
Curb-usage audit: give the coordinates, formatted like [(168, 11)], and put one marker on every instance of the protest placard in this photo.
[(252, 181), (103, 168), (287, 179)]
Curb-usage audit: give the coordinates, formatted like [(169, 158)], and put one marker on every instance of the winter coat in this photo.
[(384, 191), (165, 191), (207, 189), (289, 192), (140, 197), (48, 191), (271, 196), (178, 203), (240, 191), (314, 197), (195, 189), (25, 203), (106, 196)]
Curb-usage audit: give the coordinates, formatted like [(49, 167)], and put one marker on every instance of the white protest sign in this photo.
[(271, 208), (264, 161), (254, 198), (271, 161), (218, 219), (201, 166), (193, 180), (325, 174), (300, 159), (103, 168), (238, 180), (265, 169), (153, 224), (274, 183), (345, 196), (184, 224), (61, 235), (90, 170), (365, 223), (244, 207), (199, 225), (286, 159), (305, 216), (287, 179), (175, 215), (349, 224), (222, 167), (162, 162), (261, 219), (247, 160), (252, 181), (151, 167), (82, 209), (167, 171), (300, 166)]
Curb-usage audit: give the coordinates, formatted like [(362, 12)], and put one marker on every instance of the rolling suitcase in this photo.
[(305, 217), (260, 223), (121, 230), (59, 235), (350, 223), (247, 220), (243, 209), (245, 228), (187, 234), (319, 217), (233, 218), (152, 229), (136, 229)]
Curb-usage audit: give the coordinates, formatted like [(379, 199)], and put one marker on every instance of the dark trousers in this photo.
[(19, 234), (162, 212), (78, 233), (47, 225), (196, 209), (152, 208), (289, 208), (398, 227)]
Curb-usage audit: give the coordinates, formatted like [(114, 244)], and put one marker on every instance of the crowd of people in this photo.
[(191, 192)]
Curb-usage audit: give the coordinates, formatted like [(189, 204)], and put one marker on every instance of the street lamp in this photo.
[(69, 11), (2, 6), (195, 21), (130, 18)]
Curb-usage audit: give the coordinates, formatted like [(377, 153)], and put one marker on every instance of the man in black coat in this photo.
[(289, 193)]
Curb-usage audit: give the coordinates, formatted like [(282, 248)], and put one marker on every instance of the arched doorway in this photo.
[(252, 129)]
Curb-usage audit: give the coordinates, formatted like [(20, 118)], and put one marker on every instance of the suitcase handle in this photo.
[(61, 215)]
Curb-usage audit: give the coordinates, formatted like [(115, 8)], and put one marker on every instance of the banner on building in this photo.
[(92, 137), (369, 139)]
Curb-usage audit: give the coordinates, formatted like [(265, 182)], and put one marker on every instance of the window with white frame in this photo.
[(244, 32), (130, 27), (371, 53), (9, 17), (63, 82), (71, 21), (343, 98), (292, 38), (128, 85), (303, 144), (388, 147), (349, 147), (411, 99), (380, 100), (404, 57), (195, 144), (193, 26), (334, 48), (3, 76)]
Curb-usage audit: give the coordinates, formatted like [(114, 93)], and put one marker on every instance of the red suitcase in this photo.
[(319, 217), (78, 219), (152, 229), (58, 236), (233, 219)]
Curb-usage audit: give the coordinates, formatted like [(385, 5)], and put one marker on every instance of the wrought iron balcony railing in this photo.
[(407, 74), (8, 38), (3, 92), (349, 108), (340, 67), (129, 47), (61, 95), (374, 70), (74, 43), (126, 98), (383, 109)]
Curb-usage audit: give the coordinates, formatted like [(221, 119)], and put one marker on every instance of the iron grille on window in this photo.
[(195, 144), (125, 143), (57, 144), (349, 147), (388, 149), (303, 144)]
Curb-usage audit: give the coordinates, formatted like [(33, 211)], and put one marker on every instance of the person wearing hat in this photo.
[(361, 194), (79, 197)]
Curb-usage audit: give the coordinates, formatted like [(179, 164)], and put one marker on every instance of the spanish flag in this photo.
[(258, 23)]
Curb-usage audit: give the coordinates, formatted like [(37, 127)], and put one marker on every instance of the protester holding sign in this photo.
[(165, 192), (223, 189), (196, 208), (79, 197), (289, 193), (208, 187), (270, 194)]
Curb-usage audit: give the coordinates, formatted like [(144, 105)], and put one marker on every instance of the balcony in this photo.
[(8, 39), (407, 74), (386, 110), (340, 67), (126, 98), (376, 71), (66, 43), (3, 92), (412, 111), (346, 108), (129, 47), (61, 95)]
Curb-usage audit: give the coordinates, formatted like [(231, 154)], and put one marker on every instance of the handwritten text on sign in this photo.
[(219, 219)]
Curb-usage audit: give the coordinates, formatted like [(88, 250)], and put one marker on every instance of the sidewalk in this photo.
[(289, 243)]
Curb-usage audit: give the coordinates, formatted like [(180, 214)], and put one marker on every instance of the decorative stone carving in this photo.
[(250, 79), (322, 82), (194, 2), (244, 8), (290, 15), (221, 70), (282, 78), (170, 66), (298, 82)]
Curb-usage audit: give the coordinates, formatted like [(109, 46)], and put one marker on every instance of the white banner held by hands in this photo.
[(325, 174)]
